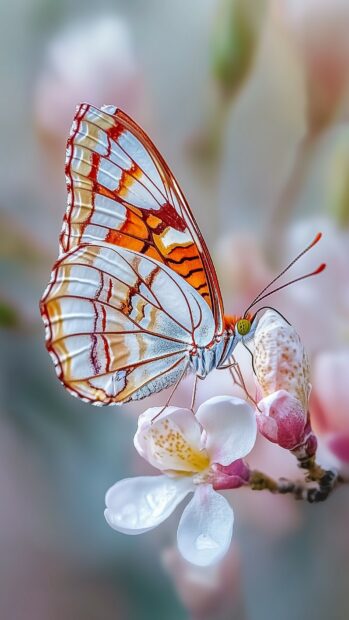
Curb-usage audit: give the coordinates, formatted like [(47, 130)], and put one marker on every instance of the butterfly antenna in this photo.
[(279, 288), (261, 295)]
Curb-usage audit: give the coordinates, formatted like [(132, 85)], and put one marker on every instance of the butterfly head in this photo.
[(243, 326), (239, 325)]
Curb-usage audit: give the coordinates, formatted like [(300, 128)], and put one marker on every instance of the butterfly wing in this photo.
[(120, 325), (121, 191)]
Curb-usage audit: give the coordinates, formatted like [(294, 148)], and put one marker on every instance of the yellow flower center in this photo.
[(169, 442)]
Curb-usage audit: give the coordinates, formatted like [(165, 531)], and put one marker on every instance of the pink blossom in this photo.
[(320, 32), (314, 303), (206, 591), (92, 60), (330, 401), (242, 268), (282, 372)]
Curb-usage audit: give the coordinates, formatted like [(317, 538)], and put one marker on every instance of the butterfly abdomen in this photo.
[(205, 359)]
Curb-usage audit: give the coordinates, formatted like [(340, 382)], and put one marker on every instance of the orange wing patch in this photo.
[(121, 191)]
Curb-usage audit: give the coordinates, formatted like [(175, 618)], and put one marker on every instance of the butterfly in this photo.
[(133, 302)]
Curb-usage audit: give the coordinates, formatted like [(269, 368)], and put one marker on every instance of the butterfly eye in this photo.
[(243, 326)]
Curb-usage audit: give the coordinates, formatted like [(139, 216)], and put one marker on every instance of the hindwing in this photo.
[(121, 325)]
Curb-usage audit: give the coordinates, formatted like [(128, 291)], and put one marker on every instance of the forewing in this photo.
[(120, 325), (121, 191)]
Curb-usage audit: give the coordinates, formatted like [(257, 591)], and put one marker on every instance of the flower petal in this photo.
[(205, 529), (331, 390), (280, 360), (339, 445), (171, 441), (135, 505), (230, 425)]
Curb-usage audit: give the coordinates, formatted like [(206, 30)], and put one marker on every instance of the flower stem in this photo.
[(315, 472), (326, 484)]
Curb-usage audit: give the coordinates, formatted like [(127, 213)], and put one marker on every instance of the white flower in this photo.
[(93, 61), (196, 454)]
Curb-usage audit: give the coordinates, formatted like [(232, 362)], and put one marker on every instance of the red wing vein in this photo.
[(110, 175), (132, 366), (159, 265), (118, 333), (104, 303), (160, 374), (128, 155)]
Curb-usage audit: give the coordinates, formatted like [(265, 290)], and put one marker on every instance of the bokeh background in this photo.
[(248, 100)]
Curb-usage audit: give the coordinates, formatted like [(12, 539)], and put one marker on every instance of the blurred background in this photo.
[(248, 100)]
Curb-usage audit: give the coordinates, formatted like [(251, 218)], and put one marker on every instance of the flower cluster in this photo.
[(198, 454), (204, 453)]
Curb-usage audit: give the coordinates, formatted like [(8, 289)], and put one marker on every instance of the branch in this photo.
[(326, 483)]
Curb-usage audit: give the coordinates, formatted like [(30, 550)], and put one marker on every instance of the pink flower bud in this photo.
[(230, 476), (280, 360), (282, 419), (282, 373)]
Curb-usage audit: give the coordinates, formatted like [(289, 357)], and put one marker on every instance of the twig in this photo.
[(300, 490), (315, 472)]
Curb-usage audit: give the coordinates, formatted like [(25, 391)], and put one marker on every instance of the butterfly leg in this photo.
[(226, 366), (193, 397), (237, 376), (251, 354)]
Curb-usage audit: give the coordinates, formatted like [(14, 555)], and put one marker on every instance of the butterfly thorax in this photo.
[(205, 359)]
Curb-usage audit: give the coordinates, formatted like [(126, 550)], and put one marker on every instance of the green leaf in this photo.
[(8, 315)]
